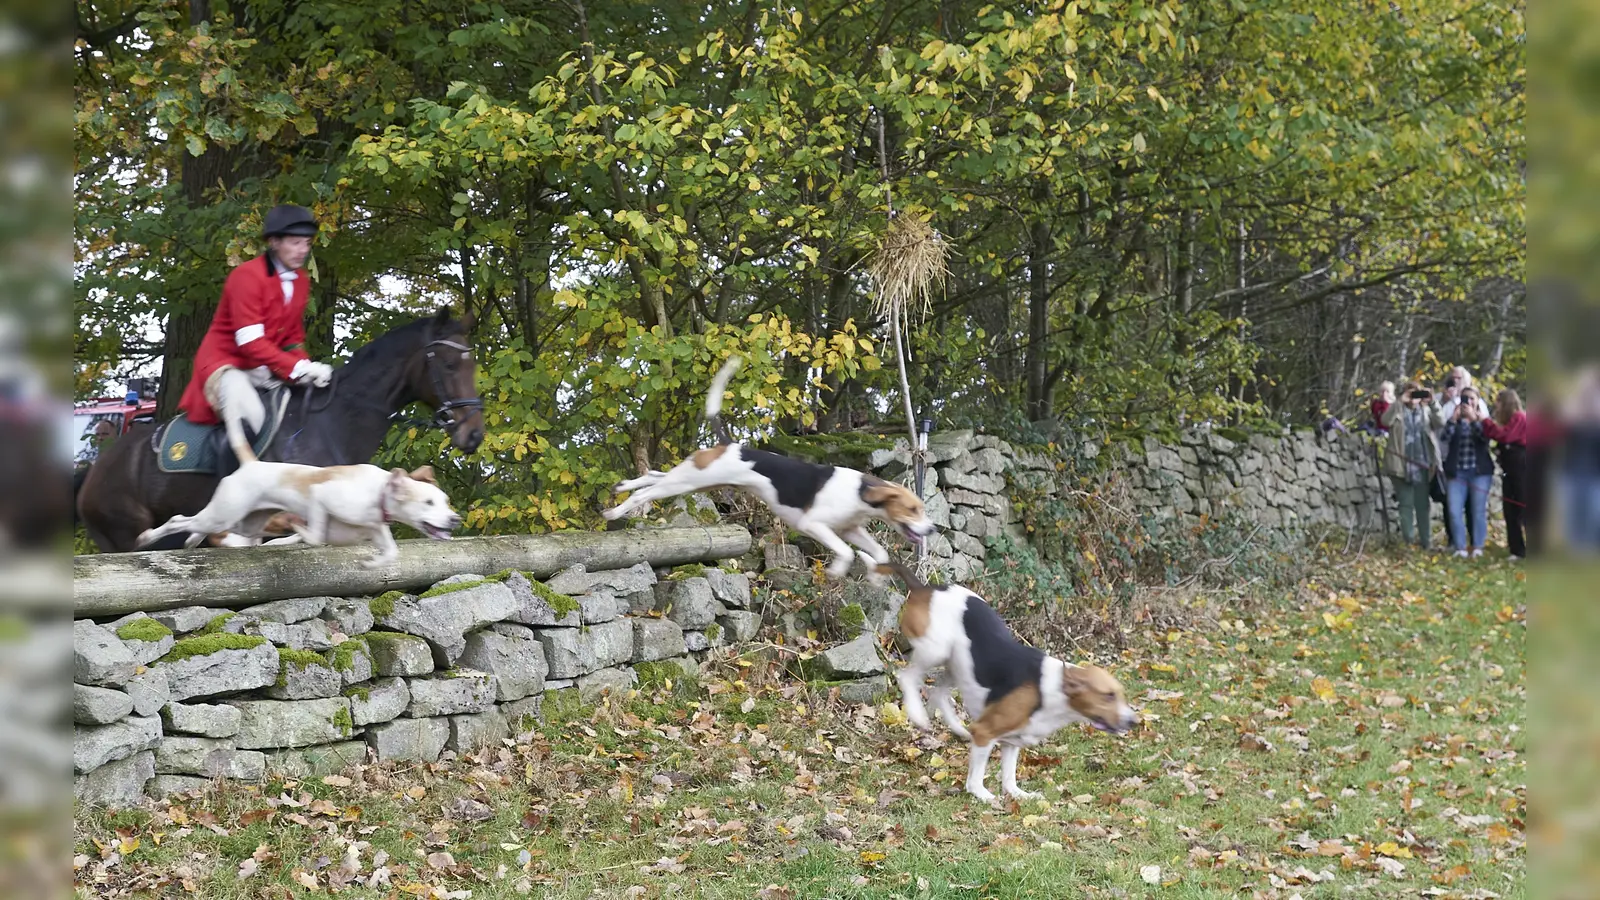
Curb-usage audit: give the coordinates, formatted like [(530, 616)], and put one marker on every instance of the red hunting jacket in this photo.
[(254, 326)]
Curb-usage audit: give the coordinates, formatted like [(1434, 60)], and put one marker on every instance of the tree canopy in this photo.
[(1159, 212)]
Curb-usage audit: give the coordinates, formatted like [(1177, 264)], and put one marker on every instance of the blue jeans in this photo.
[(1582, 493), (1461, 492)]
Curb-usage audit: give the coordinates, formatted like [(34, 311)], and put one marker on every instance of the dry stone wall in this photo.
[(1289, 481), (168, 701)]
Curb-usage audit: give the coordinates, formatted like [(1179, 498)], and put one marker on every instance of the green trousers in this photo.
[(1413, 500)]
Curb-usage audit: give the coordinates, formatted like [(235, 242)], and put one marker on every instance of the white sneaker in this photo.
[(1515, 558), (1461, 553), (1477, 552)]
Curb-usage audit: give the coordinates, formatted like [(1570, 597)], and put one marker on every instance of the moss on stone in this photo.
[(561, 603), (844, 448), (713, 631), (383, 604), (692, 570), (13, 629), (852, 618), (203, 645), (144, 630), (342, 721), (358, 692), (217, 624), (452, 588), (299, 659), (343, 656), (391, 637)]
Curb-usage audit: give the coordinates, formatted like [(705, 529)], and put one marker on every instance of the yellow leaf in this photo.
[(871, 857), (306, 880), (1390, 848), (127, 845), (1323, 688), (1498, 833)]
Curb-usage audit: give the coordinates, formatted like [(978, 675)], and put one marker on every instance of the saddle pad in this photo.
[(183, 447)]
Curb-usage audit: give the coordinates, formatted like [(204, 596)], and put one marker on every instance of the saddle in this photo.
[(182, 447)]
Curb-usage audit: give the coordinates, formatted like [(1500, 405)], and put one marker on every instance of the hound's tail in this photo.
[(909, 577), (719, 385), (234, 426)]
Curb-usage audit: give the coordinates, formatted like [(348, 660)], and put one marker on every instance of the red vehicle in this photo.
[(121, 412)]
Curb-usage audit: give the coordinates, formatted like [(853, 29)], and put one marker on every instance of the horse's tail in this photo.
[(719, 385)]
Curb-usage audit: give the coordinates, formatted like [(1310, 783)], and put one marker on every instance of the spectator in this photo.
[(1381, 405), (1460, 380), (102, 434), (1412, 459), (1446, 397), (1471, 472), (1544, 432), (1509, 428), (1580, 469)]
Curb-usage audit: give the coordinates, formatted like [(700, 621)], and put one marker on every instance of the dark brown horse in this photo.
[(429, 360)]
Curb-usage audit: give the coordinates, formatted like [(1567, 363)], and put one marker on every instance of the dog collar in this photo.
[(383, 506)]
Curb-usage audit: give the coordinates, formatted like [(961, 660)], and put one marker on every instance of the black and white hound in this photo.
[(828, 503)]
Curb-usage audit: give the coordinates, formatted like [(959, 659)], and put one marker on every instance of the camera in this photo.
[(1422, 395)]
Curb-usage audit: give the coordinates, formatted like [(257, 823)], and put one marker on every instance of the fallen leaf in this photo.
[(248, 868), (306, 879), (1150, 874)]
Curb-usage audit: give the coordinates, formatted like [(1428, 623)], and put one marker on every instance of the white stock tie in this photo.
[(287, 280)]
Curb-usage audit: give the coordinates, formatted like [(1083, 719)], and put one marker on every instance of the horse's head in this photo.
[(444, 375)]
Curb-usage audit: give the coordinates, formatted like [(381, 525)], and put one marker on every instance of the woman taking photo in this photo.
[(1412, 459), (1509, 427), (1471, 472)]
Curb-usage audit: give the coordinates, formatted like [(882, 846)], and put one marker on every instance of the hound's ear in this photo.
[(872, 490), (424, 473)]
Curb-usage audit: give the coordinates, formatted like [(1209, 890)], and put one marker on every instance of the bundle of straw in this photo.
[(908, 264)]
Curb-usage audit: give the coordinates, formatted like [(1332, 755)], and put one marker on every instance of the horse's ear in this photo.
[(424, 473)]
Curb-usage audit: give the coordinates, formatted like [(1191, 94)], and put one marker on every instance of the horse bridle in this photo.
[(444, 414)]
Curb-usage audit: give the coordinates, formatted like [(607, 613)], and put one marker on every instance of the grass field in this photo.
[(1365, 738)]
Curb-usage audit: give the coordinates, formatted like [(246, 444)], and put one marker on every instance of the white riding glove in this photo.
[(307, 372)]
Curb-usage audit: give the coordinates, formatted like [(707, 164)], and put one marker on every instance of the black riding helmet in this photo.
[(289, 220)]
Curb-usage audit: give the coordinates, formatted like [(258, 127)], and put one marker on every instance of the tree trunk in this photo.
[(1183, 280), (112, 584), (1038, 318), (217, 168), (319, 325), (1502, 323)]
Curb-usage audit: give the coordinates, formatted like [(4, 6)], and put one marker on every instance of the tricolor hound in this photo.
[(1014, 694), (828, 503)]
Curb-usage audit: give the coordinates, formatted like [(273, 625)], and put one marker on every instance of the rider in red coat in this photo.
[(257, 335)]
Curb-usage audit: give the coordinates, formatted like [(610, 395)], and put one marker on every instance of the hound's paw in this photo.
[(981, 792), (1021, 794)]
